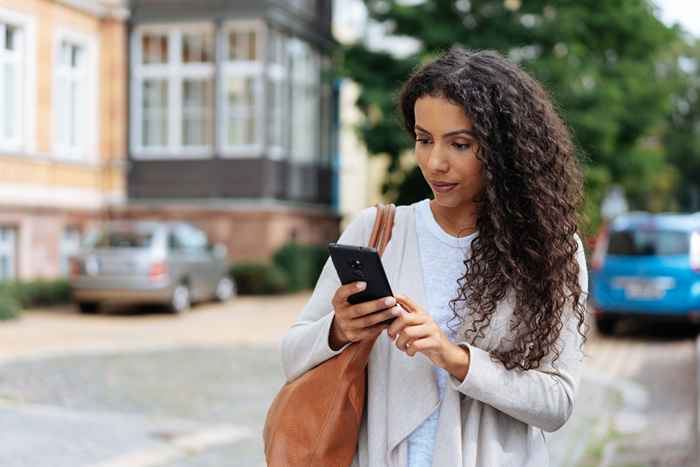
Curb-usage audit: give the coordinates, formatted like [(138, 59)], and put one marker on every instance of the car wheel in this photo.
[(225, 289), (606, 326), (180, 299), (88, 308)]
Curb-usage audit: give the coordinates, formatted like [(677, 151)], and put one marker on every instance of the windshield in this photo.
[(120, 239), (649, 243)]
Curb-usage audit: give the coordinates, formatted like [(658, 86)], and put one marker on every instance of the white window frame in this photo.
[(9, 249), (26, 95), (253, 69), (278, 73), (88, 148), (307, 127), (174, 72)]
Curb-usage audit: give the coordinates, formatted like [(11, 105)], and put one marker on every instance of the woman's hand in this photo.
[(418, 332), (360, 321)]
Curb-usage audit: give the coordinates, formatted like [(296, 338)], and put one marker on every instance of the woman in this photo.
[(489, 277)]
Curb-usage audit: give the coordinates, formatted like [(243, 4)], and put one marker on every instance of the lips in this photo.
[(442, 187)]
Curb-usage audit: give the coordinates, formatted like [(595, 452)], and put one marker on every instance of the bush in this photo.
[(39, 292), (259, 278), (9, 307), (301, 263)]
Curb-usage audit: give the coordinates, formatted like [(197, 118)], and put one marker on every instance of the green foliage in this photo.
[(611, 67), (9, 308), (38, 292), (301, 263), (259, 279)]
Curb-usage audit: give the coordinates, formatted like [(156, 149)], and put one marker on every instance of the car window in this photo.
[(190, 238), (649, 243), (122, 239)]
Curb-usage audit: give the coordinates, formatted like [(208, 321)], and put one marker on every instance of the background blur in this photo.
[(254, 131)]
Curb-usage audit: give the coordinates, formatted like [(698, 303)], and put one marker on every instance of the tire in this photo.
[(225, 289), (181, 299), (88, 308), (605, 326)]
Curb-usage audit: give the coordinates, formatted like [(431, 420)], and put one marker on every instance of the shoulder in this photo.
[(360, 226)]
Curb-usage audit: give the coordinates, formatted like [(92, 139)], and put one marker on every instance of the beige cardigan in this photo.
[(494, 418)]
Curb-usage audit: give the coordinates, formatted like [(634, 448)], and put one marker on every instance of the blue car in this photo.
[(647, 266)]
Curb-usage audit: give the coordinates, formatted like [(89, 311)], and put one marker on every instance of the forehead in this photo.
[(438, 113)]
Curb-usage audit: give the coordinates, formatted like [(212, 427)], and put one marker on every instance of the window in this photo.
[(649, 243), (241, 89), (172, 91), (17, 81), (277, 94), (8, 253), (75, 96), (305, 77), (70, 246)]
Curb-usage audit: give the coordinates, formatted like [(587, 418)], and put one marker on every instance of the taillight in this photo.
[(601, 247), (76, 267), (158, 270), (695, 251)]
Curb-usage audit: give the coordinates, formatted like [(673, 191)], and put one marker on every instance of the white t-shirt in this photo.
[(442, 258)]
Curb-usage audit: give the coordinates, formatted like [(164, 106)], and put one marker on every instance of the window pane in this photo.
[(240, 95), (155, 112), (7, 253), (64, 56), (155, 49), (648, 243), (62, 110), (11, 33), (196, 102), (73, 112), (197, 48), (242, 45), (9, 113)]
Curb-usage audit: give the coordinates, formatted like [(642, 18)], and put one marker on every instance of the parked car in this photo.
[(647, 266), (171, 263)]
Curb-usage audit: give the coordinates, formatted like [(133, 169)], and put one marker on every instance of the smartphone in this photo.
[(358, 263)]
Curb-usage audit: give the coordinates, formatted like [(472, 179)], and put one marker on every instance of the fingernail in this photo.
[(389, 301), (361, 285)]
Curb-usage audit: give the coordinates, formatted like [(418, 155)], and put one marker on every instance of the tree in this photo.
[(606, 64)]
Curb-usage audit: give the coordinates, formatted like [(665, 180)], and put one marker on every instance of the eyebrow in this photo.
[(449, 133)]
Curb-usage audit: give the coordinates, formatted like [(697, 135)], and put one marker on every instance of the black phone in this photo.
[(358, 263)]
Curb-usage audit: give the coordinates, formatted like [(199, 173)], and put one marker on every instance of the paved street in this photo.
[(656, 367), (145, 388)]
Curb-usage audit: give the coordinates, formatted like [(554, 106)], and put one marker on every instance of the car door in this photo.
[(194, 258)]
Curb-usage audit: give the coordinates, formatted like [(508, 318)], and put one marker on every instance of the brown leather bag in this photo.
[(314, 421)]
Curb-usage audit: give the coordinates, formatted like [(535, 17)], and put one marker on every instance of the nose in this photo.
[(437, 159)]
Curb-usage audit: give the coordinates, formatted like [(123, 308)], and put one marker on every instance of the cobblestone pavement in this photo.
[(148, 389), (656, 366)]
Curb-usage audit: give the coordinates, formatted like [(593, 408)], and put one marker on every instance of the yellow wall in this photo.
[(43, 168)]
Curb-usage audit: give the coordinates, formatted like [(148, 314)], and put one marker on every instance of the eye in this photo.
[(462, 146), (422, 141)]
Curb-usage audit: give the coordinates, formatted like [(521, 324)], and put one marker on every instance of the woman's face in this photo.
[(446, 151)]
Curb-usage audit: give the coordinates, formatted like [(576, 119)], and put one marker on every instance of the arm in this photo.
[(307, 342), (542, 397)]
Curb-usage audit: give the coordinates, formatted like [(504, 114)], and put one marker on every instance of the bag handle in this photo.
[(383, 225)]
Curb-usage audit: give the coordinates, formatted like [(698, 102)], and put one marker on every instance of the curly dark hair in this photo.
[(527, 212)]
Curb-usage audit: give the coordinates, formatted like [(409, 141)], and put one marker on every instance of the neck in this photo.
[(458, 221)]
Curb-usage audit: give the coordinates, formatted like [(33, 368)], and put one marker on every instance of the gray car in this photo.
[(171, 263)]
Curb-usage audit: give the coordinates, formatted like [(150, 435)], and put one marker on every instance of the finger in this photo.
[(419, 345), (403, 320), (372, 306), (412, 333), (377, 317), (407, 303), (351, 288), (372, 331)]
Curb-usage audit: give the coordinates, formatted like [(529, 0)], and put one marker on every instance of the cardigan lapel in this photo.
[(412, 386)]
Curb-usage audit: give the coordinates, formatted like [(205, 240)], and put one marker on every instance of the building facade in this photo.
[(216, 112), (63, 128), (233, 120)]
